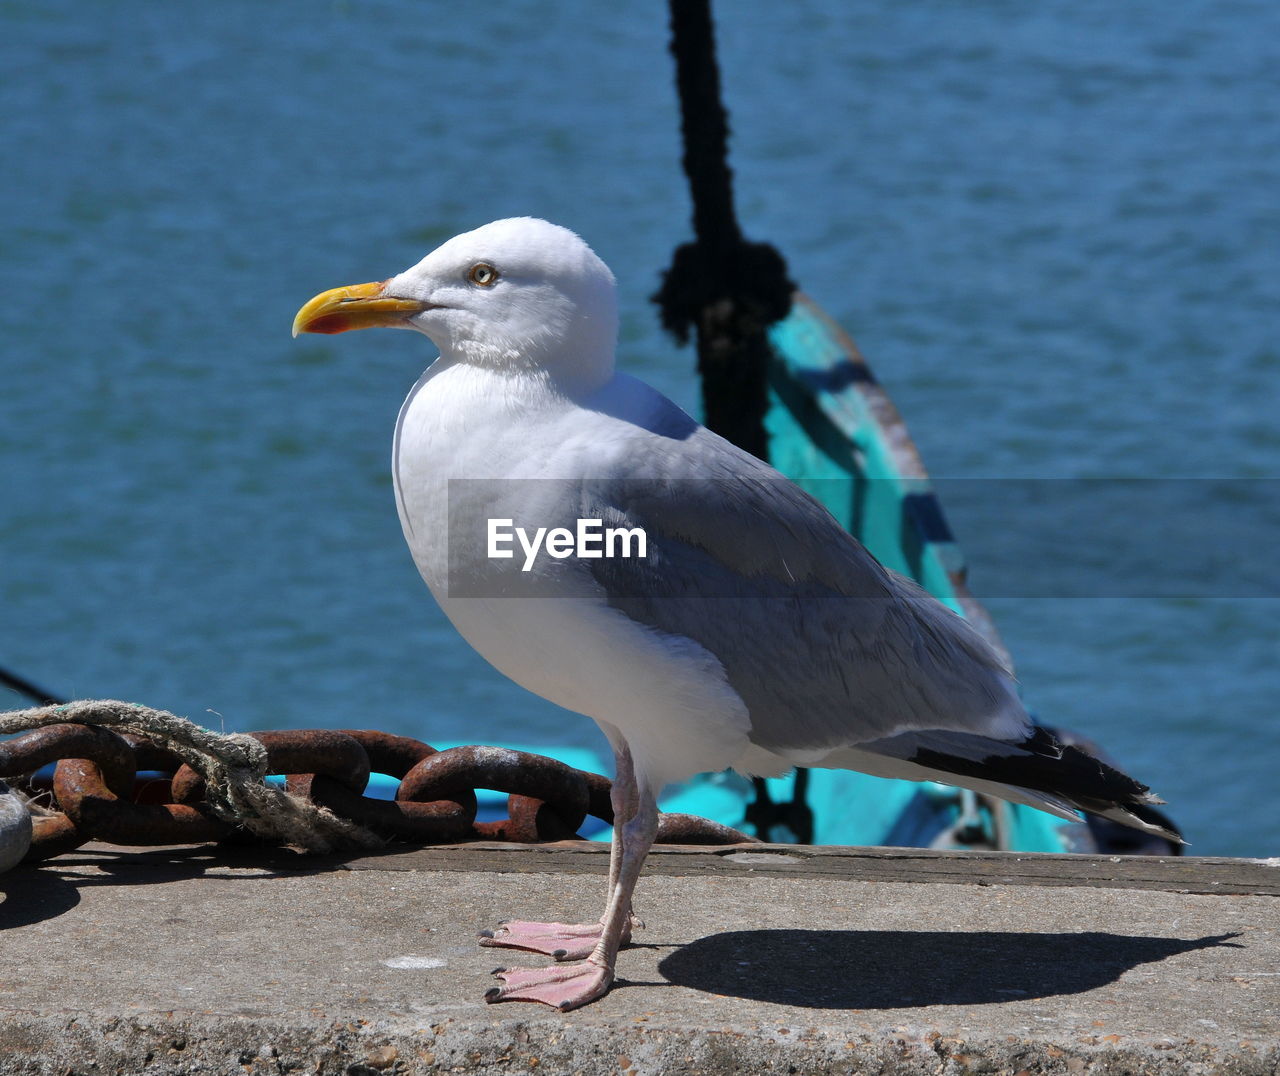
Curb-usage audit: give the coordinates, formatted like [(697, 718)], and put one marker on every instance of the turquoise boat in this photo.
[(834, 431)]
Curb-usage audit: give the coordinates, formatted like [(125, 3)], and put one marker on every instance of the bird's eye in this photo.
[(483, 274)]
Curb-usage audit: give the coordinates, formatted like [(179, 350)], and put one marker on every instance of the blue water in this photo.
[(1052, 228)]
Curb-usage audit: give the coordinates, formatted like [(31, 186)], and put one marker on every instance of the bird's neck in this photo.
[(563, 372)]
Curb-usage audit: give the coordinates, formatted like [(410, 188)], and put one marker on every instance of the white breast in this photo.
[(667, 695)]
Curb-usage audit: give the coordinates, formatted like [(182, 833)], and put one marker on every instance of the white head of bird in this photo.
[(519, 294)]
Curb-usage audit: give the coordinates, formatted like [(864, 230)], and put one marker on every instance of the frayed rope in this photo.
[(233, 767)]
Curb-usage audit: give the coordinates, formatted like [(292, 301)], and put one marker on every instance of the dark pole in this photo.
[(25, 687), (727, 289)]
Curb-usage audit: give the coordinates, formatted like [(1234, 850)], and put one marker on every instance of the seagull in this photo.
[(741, 627)]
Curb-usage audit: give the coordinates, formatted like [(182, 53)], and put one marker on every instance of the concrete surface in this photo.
[(754, 960)]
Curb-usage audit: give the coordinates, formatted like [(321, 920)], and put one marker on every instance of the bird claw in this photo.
[(563, 988)]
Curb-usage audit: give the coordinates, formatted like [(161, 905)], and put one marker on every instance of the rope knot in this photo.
[(233, 767)]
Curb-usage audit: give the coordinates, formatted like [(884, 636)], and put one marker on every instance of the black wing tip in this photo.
[(1044, 763), (1138, 819)]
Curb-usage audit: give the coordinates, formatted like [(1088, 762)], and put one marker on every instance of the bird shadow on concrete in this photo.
[(896, 969)]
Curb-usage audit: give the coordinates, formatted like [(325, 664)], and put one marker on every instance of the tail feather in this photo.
[(1039, 770), (1138, 819)]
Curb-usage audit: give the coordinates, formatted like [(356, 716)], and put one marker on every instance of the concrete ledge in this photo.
[(1172, 874), (755, 959)]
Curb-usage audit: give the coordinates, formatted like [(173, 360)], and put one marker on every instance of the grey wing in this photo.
[(824, 645)]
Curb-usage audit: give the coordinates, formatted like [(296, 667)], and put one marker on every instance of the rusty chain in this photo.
[(97, 792)]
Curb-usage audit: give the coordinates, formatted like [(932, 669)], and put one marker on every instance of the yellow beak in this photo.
[(357, 306)]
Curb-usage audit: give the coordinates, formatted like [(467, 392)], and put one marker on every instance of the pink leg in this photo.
[(569, 986), (576, 941)]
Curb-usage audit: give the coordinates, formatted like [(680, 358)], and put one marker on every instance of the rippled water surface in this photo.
[(1053, 229)]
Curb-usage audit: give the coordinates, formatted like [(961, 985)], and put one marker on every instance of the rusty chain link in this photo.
[(97, 792)]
